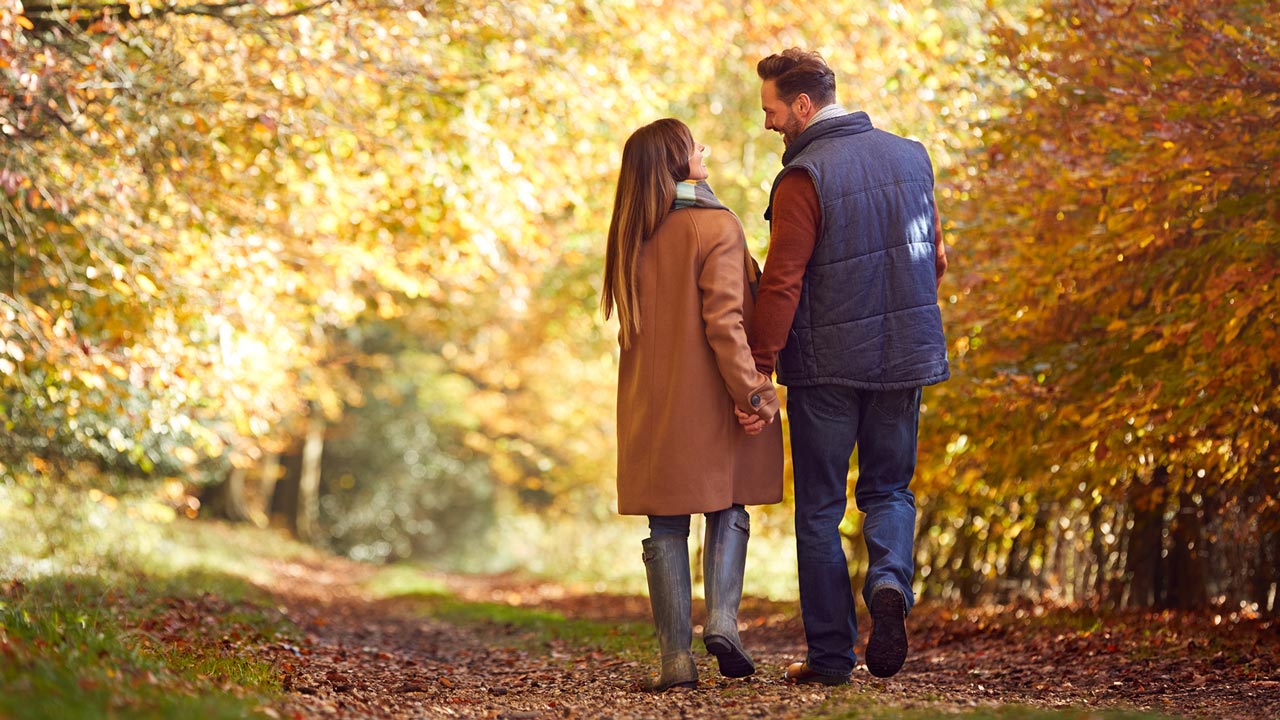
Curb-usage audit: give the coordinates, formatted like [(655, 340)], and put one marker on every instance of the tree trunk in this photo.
[(968, 578), (1261, 523), (1143, 562), (1098, 549), (1116, 581), (308, 525), (1224, 547), (1269, 568), (1264, 567), (260, 510), (1187, 588), (1016, 566), (1024, 550), (1058, 568), (925, 555), (226, 500), (284, 497)]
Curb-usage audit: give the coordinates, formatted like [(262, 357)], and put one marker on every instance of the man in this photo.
[(849, 299)]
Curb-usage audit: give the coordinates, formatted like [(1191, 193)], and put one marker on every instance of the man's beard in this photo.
[(791, 130)]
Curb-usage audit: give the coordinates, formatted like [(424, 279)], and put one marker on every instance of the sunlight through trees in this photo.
[(339, 262)]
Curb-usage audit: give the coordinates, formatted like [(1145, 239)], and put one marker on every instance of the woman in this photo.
[(678, 275)]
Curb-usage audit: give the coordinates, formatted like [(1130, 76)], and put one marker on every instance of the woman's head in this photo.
[(658, 152), (654, 159)]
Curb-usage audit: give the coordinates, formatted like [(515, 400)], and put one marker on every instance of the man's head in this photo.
[(796, 85)]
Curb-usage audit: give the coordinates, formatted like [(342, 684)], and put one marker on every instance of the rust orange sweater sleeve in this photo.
[(797, 220)]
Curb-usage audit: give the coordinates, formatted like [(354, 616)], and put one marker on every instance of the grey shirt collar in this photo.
[(826, 113)]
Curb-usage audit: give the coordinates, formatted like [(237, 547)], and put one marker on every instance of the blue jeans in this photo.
[(827, 423)]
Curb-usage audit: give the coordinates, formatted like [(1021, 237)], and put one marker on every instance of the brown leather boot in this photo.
[(799, 673)]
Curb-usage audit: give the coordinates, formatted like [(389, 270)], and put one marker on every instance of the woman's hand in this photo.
[(751, 424)]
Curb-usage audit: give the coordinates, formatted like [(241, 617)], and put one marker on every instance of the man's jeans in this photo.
[(827, 422)]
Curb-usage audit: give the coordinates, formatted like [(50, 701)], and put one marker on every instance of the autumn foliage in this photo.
[(1113, 423), (238, 237)]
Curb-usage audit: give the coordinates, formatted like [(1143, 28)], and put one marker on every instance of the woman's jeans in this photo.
[(827, 423), (674, 524)]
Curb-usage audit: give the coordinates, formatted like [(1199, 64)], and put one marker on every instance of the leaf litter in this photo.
[(368, 657)]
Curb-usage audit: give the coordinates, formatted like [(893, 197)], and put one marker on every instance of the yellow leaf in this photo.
[(1117, 325), (147, 286), (92, 380), (25, 22), (931, 36), (1233, 329)]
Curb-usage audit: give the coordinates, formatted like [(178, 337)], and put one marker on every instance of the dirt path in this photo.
[(365, 658)]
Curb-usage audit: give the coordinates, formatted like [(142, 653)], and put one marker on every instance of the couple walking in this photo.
[(847, 305)]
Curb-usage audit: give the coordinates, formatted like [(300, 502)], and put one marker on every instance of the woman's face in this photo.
[(698, 162)]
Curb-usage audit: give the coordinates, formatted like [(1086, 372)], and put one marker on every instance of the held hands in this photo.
[(751, 424)]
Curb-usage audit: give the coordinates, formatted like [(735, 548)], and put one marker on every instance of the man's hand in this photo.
[(752, 424)]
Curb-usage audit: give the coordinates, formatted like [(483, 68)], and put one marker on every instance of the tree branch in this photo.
[(45, 15)]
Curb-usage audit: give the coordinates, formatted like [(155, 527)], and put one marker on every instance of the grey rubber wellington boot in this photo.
[(666, 563), (724, 561)]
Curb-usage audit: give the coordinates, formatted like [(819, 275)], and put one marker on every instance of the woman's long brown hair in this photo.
[(654, 159)]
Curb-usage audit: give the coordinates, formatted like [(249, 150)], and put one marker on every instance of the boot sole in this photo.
[(734, 663), (887, 647)]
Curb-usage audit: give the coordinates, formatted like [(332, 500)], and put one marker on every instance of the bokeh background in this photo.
[(335, 266)]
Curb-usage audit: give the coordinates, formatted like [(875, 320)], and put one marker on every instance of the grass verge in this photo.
[(523, 627), (78, 647), (132, 616)]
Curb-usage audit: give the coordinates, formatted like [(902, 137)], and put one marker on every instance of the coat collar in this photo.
[(840, 126)]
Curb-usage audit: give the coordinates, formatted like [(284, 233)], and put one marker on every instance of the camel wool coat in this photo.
[(681, 449)]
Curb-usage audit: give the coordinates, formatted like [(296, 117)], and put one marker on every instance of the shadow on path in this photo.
[(389, 658)]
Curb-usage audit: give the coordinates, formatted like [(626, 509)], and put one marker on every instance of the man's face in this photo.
[(779, 116)]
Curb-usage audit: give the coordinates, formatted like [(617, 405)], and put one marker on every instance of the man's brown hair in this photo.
[(796, 71)]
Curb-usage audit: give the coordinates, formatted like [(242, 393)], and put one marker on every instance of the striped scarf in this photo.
[(691, 194)]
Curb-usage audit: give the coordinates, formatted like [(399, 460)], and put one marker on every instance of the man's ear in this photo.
[(803, 104)]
